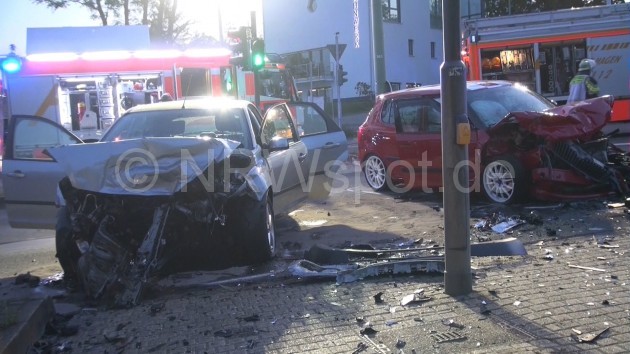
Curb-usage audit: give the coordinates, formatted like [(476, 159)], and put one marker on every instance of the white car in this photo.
[(166, 180)]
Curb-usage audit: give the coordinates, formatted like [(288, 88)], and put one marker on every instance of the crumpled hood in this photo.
[(573, 121), (148, 166)]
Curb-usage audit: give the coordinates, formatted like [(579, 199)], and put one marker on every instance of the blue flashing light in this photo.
[(11, 64)]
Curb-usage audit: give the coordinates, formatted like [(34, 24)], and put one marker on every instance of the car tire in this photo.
[(375, 173), (255, 231), (504, 180)]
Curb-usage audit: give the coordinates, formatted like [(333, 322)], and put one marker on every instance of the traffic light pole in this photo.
[(257, 88), (337, 78)]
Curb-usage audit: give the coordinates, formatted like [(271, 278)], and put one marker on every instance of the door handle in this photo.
[(16, 174), (330, 145), (302, 157)]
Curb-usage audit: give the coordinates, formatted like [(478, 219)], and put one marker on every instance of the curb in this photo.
[(32, 318)]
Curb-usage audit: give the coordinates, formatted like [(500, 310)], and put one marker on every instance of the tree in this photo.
[(493, 8), (166, 25)]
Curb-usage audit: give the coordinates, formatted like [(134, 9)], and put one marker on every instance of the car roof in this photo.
[(194, 103), (433, 90)]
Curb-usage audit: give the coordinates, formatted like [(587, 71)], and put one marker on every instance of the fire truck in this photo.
[(543, 51), (85, 92)]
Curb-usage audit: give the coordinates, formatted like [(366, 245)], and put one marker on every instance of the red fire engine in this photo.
[(543, 50)]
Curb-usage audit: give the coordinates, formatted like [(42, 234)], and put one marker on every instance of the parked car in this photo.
[(521, 144), (165, 181)]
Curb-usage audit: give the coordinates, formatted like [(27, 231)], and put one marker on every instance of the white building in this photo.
[(305, 30)]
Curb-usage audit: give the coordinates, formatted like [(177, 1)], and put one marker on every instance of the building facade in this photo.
[(307, 32)]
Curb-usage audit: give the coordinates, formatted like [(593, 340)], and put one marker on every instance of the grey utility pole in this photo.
[(455, 140), (378, 47)]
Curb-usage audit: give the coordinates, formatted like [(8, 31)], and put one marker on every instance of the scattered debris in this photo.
[(400, 343), (368, 331), (453, 324), (443, 337), (416, 297), (252, 318), (590, 337), (616, 205), (586, 268), (361, 347), (378, 298)]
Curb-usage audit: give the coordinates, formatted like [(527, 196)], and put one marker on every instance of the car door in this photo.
[(30, 176), (289, 182), (419, 142), (325, 142)]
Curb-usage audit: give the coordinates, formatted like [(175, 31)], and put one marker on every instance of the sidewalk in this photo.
[(531, 304)]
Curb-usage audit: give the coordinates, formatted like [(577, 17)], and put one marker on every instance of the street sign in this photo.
[(333, 51)]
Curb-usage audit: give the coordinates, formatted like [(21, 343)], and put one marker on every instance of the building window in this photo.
[(432, 50), (391, 10), (410, 47), (436, 14)]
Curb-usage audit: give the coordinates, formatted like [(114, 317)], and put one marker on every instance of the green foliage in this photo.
[(167, 25), (494, 8)]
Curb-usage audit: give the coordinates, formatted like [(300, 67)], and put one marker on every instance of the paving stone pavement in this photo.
[(531, 304)]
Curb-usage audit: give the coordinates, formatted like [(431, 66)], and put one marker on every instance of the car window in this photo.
[(231, 124), (277, 124), (418, 115), (308, 120), (387, 114), (33, 136)]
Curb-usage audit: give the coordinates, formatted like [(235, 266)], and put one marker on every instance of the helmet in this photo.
[(586, 64)]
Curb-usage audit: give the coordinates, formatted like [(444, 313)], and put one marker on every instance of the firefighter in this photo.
[(583, 85)]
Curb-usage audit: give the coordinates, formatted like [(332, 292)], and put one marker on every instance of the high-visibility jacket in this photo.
[(582, 87)]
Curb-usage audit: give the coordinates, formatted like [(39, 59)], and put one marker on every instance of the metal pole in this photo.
[(337, 79), (310, 75), (378, 47), (220, 23), (457, 275)]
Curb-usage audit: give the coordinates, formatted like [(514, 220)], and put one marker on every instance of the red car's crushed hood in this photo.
[(580, 120)]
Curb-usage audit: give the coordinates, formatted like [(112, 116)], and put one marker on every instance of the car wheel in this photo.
[(256, 231), (504, 180), (375, 173)]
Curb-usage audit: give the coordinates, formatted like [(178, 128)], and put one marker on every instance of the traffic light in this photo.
[(239, 41), (258, 54), (341, 76), (12, 63)]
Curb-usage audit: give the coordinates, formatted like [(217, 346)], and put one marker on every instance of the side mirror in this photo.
[(277, 143), (240, 158)]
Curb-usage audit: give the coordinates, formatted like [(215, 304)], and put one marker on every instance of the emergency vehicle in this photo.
[(543, 51), (85, 92)]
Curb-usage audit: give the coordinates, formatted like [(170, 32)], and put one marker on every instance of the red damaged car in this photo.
[(521, 145)]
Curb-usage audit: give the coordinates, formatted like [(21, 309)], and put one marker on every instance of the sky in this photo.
[(18, 15)]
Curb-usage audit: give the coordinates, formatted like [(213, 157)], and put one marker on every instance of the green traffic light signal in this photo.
[(258, 54)]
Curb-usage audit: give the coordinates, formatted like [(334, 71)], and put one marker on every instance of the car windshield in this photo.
[(209, 123), (491, 105)]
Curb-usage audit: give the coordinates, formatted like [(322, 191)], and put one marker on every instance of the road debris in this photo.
[(378, 298), (416, 297), (451, 323), (588, 337), (587, 268)]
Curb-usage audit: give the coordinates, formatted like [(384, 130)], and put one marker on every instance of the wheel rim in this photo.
[(498, 181), (375, 172), (271, 230)]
